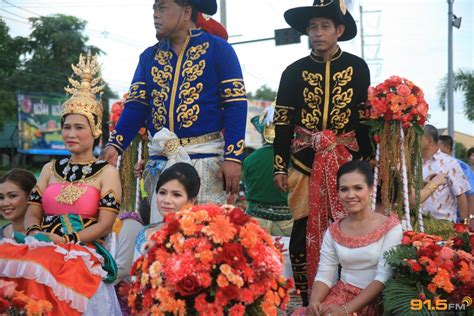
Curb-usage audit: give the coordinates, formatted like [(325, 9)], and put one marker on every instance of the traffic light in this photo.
[(287, 36)]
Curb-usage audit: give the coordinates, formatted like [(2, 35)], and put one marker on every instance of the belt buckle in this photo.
[(171, 146)]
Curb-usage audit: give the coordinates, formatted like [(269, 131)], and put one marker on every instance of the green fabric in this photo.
[(270, 212), (20, 237), (258, 178), (259, 126), (109, 264), (71, 223)]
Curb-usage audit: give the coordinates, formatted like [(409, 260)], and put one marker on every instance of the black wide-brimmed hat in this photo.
[(208, 7), (298, 18)]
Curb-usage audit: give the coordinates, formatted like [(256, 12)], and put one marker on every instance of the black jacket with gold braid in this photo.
[(320, 95)]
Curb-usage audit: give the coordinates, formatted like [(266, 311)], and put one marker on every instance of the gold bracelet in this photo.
[(432, 187)]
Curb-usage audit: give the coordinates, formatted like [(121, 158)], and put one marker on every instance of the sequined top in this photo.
[(318, 95), (198, 92)]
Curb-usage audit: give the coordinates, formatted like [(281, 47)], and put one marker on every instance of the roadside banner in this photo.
[(39, 124)]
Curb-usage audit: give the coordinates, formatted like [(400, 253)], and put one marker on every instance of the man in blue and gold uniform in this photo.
[(318, 113), (188, 89)]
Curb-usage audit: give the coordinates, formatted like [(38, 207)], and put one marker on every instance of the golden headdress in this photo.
[(84, 100)]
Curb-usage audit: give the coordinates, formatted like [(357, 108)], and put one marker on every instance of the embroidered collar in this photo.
[(195, 32), (362, 241), (320, 59), (73, 172)]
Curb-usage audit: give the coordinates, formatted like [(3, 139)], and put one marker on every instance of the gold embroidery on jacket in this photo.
[(238, 90), (281, 116), (340, 114), (313, 98), (279, 163), (161, 95), (188, 110), (135, 93), (116, 137), (232, 150)]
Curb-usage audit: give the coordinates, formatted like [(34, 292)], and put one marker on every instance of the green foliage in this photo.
[(464, 82), (10, 52), (396, 255), (42, 62), (397, 295), (263, 93), (460, 151)]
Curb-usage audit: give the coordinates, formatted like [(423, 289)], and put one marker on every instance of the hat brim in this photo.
[(208, 7), (298, 18)]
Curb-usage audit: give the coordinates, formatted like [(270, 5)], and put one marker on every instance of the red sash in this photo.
[(330, 152)]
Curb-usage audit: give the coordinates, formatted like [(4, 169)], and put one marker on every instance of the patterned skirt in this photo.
[(341, 294)]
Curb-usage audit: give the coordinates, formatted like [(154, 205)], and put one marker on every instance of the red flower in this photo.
[(237, 310), (19, 302), (231, 292), (173, 227), (457, 242), (238, 217), (406, 240), (4, 305), (188, 285), (460, 228), (233, 255), (414, 266), (376, 138)]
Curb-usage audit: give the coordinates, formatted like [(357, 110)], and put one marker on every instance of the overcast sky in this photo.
[(403, 37)]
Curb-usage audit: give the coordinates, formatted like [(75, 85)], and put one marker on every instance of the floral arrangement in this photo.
[(209, 260), (13, 302), (115, 112), (427, 268), (396, 113), (397, 99)]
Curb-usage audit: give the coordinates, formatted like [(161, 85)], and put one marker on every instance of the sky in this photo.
[(408, 38)]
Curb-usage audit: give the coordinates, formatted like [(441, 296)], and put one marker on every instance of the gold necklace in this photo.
[(71, 191)]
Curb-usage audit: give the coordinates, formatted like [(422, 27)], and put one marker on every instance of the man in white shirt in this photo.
[(444, 202)]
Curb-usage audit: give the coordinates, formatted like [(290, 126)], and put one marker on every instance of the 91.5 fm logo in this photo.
[(440, 304)]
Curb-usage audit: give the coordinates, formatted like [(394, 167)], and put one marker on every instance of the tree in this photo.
[(10, 51), (463, 81), (460, 151), (54, 44), (263, 93)]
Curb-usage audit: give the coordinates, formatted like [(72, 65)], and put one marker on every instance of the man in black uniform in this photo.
[(318, 113)]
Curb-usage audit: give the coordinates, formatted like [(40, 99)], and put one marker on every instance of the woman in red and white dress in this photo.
[(356, 244)]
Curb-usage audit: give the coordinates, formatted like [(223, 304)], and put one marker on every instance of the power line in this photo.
[(12, 13), (13, 5), (84, 5), (18, 21), (113, 37)]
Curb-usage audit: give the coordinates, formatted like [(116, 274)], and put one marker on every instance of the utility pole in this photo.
[(450, 70), (223, 13)]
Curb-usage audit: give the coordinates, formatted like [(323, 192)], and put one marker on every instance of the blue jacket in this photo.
[(198, 92)]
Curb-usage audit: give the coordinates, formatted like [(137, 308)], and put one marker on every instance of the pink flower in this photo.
[(446, 253), (403, 90), (7, 288)]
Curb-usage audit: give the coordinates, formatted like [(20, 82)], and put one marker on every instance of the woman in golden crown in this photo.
[(71, 211)]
